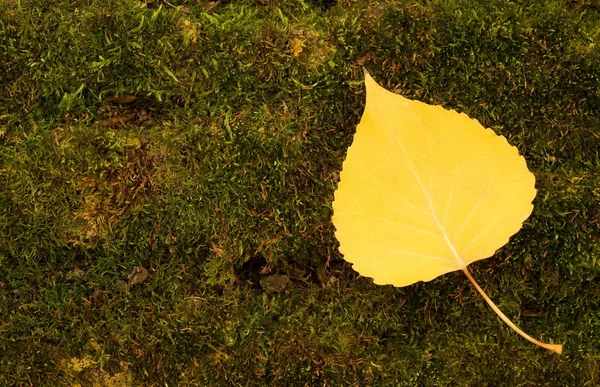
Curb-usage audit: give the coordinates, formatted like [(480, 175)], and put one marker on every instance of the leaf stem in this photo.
[(552, 347)]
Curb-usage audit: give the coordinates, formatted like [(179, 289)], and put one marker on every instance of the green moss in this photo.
[(222, 170)]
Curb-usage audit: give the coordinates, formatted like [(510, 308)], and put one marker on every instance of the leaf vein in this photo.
[(429, 201)]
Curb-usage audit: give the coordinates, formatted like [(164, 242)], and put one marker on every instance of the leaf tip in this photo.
[(368, 78)]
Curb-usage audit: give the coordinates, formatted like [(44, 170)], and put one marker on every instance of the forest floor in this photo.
[(167, 171)]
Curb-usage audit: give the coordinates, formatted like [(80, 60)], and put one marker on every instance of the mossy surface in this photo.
[(203, 141)]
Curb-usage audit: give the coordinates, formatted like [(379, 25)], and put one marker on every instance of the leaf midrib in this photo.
[(457, 257)]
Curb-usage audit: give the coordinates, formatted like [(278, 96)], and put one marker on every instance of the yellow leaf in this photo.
[(425, 191)]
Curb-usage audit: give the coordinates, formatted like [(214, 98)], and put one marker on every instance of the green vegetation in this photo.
[(221, 172)]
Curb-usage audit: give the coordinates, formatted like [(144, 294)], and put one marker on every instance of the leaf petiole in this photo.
[(552, 347)]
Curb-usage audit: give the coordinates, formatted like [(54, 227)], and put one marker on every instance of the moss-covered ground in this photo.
[(202, 141)]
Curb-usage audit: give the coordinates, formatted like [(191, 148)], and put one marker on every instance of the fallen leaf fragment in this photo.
[(116, 120), (275, 283), (138, 275), (425, 191), (122, 99), (77, 274), (122, 286)]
